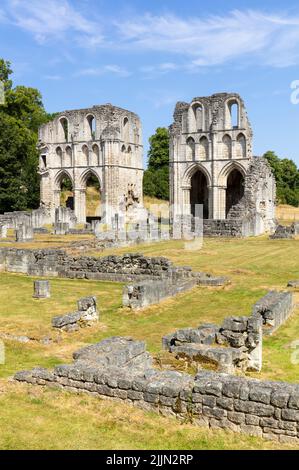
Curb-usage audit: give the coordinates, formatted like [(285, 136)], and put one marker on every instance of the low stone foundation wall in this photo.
[(237, 343), (222, 228), (120, 369), (126, 268), (274, 309), (150, 292)]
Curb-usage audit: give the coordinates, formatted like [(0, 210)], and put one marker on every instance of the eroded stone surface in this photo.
[(237, 343), (107, 142), (238, 199), (86, 314), (120, 369)]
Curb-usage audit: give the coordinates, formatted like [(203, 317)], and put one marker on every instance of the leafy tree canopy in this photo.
[(287, 178), (20, 116), (156, 177)]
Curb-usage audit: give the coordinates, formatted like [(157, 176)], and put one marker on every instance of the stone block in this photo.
[(41, 289)]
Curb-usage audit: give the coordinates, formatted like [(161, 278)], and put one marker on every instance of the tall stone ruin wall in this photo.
[(256, 209)]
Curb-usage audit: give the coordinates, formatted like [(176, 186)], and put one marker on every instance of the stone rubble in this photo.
[(86, 314), (237, 343)]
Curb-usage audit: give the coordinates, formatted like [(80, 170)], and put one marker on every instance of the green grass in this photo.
[(32, 418), (254, 266)]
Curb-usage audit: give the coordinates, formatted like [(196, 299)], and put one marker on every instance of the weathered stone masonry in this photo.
[(211, 164), (104, 142), (129, 267), (120, 369), (237, 342)]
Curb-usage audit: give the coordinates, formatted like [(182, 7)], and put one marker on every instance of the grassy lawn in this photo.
[(254, 266)]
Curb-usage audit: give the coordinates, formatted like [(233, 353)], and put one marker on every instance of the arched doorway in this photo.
[(93, 198), (199, 193), (66, 191), (234, 189)]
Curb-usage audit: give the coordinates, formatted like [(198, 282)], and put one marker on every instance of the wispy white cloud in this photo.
[(51, 19), (216, 40), (106, 69), (239, 35)]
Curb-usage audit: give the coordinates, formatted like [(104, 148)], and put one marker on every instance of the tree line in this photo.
[(23, 112)]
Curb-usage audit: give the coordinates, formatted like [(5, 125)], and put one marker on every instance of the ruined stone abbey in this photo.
[(104, 142), (211, 164)]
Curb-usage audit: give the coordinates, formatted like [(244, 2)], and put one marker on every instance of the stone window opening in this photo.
[(203, 148), (129, 155), (95, 157), (85, 155), (44, 161), (196, 118), (190, 149), (91, 127), (59, 155), (123, 155), (126, 129), (233, 115), (227, 147), (241, 146), (64, 128), (68, 156)]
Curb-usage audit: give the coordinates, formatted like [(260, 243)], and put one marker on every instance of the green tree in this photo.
[(158, 154), (5, 72), (25, 104), (156, 177), (20, 116), (287, 178), (17, 146)]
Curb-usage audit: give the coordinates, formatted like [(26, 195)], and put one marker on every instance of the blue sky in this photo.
[(146, 55)]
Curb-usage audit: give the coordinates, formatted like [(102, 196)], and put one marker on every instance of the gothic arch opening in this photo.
[(65, 186), (195, 118), (234, 190), (190, 149), (68, 156), (85, 155), (203, 149), (199, 193), (226, 147), (64, 129), (123, 155), (58, 157), (91, 122), (241, 146), (126, 129), (232, 114), (92, 197), (95, 156)]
